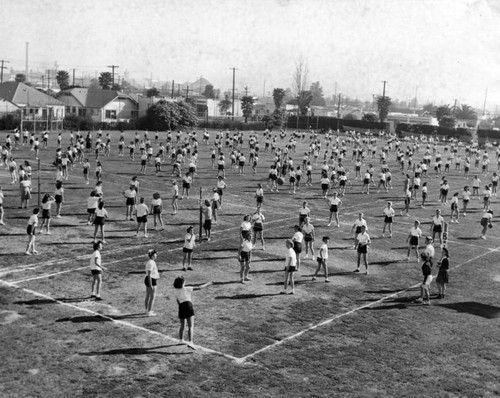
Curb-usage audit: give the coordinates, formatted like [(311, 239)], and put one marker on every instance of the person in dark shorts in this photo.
[(442, 278), (151, 281), (186, 312), (96, 269)]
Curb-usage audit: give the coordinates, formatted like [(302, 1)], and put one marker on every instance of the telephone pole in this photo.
[(113, 67), (187, 93), (246, 91), (48, 79), (383, 91), (2, 68), (173, 88), (232, 104), (74, 77)]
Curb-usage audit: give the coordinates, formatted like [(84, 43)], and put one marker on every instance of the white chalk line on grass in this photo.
[(350, 312), (117, 321)]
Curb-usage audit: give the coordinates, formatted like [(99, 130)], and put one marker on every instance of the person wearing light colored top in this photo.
[(258, 227), (486, 222), (465, 199), (100, 216), (412, 240), (96, 269), (335, 204), (207, 225), (437, 226), (245, 227), (188, 247), (142, 212), (363, 242), (31, 231), (130, 195), (356, 227), (152, 276), (290, 267), (303, 213), (308, 231), (182, 295), (175, 196), (245, 257), (156, 209), (1, 207), (322, 259), (389, 213), (297, 239)]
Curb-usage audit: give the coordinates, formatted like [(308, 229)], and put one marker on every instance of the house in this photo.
[(7, 107), (103, 106), (37, 108)]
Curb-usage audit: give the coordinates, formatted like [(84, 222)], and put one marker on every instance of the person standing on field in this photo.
[(96, 269), (290, 267), (322, 259)]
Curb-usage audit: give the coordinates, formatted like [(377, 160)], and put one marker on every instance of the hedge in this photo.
[(425, 129), (327, 122), (10, 121)]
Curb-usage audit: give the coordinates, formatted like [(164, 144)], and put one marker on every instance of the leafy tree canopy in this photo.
[(247, 106), (383, 105), (278, 96), (62, 79), (448, 121), (20, 77), (317, 95), (152, 92), (209, 91), (105, 80)]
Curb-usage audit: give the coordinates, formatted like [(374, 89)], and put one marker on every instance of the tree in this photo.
[(443, 111), (20, 77), (94, 83), (152, 92), (225, 104), (429, 108), (317, 95), (62, 79), (448, 121), (350, 116), (116, 87), (278, 117), (166, 115), (127, 87), (105, 80), (187, 114), (247, 106), (303, 101), (383, 105), (465, 112), (278, 96), (369, 117), (209, 91)]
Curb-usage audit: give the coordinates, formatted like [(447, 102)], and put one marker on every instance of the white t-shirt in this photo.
[(291, 258), (323, 251), (95, 259), (183, 294), (389, 212), (298, 237), (142, 210), (151, 266), (415, 231), (189, 241), (363, 238)]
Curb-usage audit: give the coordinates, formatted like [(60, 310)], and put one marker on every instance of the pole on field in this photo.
[(201, 216), (39, 183), (445, 235)]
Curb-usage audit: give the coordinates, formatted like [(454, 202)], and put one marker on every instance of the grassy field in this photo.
[(358, 336)]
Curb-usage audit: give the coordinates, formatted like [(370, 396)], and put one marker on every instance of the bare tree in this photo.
[(300, 76)]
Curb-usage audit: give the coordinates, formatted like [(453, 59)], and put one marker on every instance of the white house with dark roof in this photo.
[(105, 106)]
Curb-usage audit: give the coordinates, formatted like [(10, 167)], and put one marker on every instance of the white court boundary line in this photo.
[(117, 321)]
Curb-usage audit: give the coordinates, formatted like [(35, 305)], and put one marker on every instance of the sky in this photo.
[(440, 50)]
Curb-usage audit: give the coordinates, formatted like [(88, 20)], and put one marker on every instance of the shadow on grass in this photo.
[(136, 351), (382, 291), (469, 238), (474, 308), (82, 319), (216, 258), (246, 296), (398, 303), (49, 301), (22, 234)]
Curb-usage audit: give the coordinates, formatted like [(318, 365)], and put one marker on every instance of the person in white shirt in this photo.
[(363, 242), (335, 204), (245, 257), (356, 227), (100, 216), (1, 207), (96, 269), (297, 239), (303, 213), (290, 267), (258, 227), (152, 276), (31, 231), (308, 231), (188, 247), (175, 196), (207, 225), (465, 199), (412, 240), (142, 212), (437, 226), (389, 213), (156, 209), (130, 196), (186, 312), (486, 222), (322, 259)]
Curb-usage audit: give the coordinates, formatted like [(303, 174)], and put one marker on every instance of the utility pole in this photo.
[(178, 90), (113, 67), (232, 104), (74, 77), (187, 93), (484, 105), (2, 68), (246, 91), (383, 91), (338, 111), (173, 88), (48, 79)]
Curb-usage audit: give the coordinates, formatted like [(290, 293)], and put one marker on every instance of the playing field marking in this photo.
[(330, 320), (117, 321)]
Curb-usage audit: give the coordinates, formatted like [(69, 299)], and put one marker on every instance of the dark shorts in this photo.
[(366, 181), (99, 221), (291, 268), (334, 208), (362, 249), (130, 201), (186, 250), (95, 272), (308, 237), (142, 219), (156, 209), (91, 211), (324, 187), (58, 198), (186, 310), (258, 228), (207, 225), (245, 234), (245, 256), (297, 247), (30, 230), (46, 214), (221, 167), (437, 228), (260, 199), (388, 219), (358, 230), (186, 185), (414, 240), (153, 282)]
